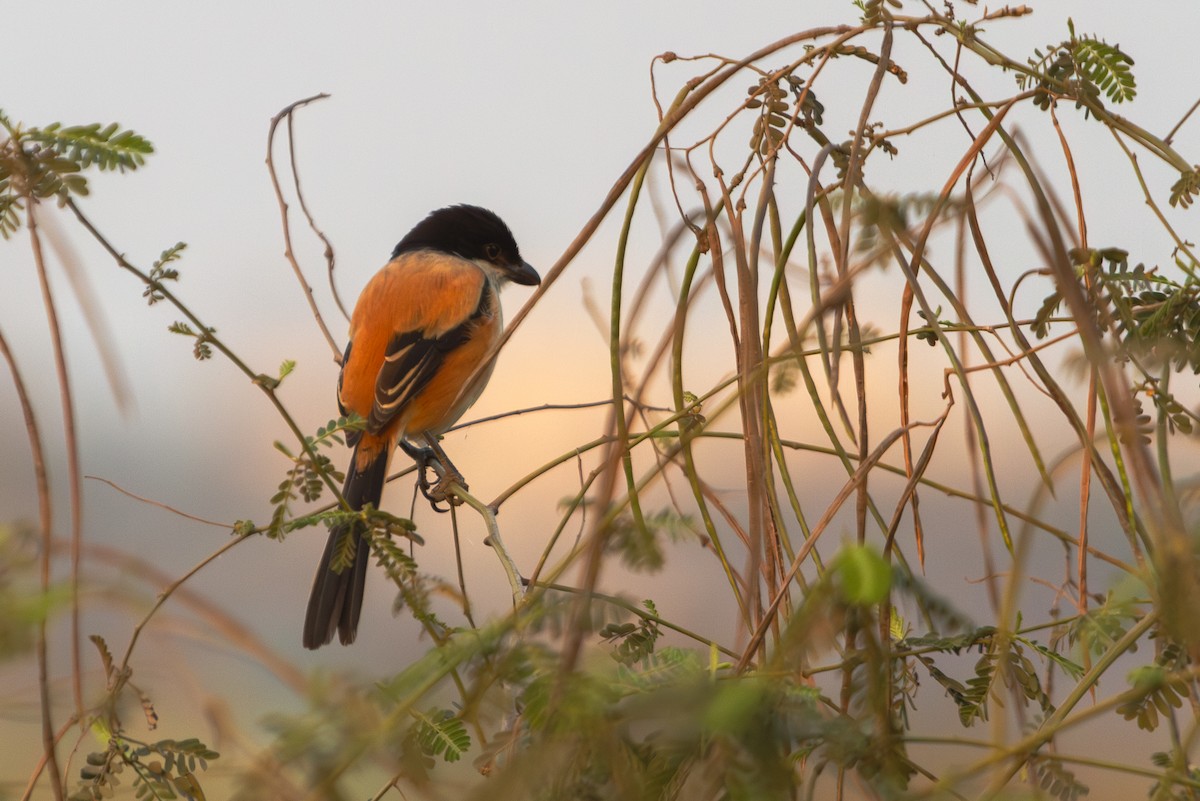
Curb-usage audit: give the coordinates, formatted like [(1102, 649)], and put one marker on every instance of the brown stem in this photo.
[(288, 252), (45, 511), (72, 444)]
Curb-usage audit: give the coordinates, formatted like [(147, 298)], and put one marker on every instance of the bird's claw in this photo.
[(446, 474), (441, 490)]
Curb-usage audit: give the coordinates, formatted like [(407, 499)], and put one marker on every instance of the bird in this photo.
[(422, 347)]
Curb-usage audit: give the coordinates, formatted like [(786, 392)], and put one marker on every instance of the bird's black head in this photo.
[(472, 233)]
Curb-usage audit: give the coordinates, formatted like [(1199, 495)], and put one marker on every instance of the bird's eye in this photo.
[(492, 251)]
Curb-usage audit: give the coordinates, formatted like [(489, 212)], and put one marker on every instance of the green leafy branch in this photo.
[(415, 591), (46, 162), (1157, 318), (310, 472), (107, 148), (1003, 658), (1159, 696), (634, 641), (1102, 625), (1083, 67), (1159, 691), (202, 340), (161, 272), (1106, 67)]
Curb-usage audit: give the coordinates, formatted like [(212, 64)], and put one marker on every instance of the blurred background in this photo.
[(532, 109)]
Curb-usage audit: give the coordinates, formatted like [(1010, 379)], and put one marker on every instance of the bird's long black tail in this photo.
[(336, 600)]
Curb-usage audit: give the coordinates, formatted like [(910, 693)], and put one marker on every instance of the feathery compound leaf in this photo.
[(173, 253), (1183, 191), (1157, 696), (1072, 669), (46, 162), (159, 769), (1107, 67), (634, 642), (440, 732), (9, 204), (106, 657), (345, 550), (1056, 780), (161, 272), (108, 148)]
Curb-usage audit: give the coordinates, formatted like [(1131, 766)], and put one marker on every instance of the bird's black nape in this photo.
[(465, 231)]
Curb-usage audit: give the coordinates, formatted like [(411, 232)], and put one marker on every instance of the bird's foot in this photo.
[(442, 490), (444, 471)]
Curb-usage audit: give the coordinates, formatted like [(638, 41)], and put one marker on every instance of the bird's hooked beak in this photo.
[(523, 274)]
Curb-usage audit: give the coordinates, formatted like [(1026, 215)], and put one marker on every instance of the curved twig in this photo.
[(288, 252)]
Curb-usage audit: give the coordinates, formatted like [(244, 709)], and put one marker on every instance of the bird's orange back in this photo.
[(430, 294)]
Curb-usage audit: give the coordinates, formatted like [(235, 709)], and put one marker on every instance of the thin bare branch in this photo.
[(46, 532), (288, 252), (72, 444)]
